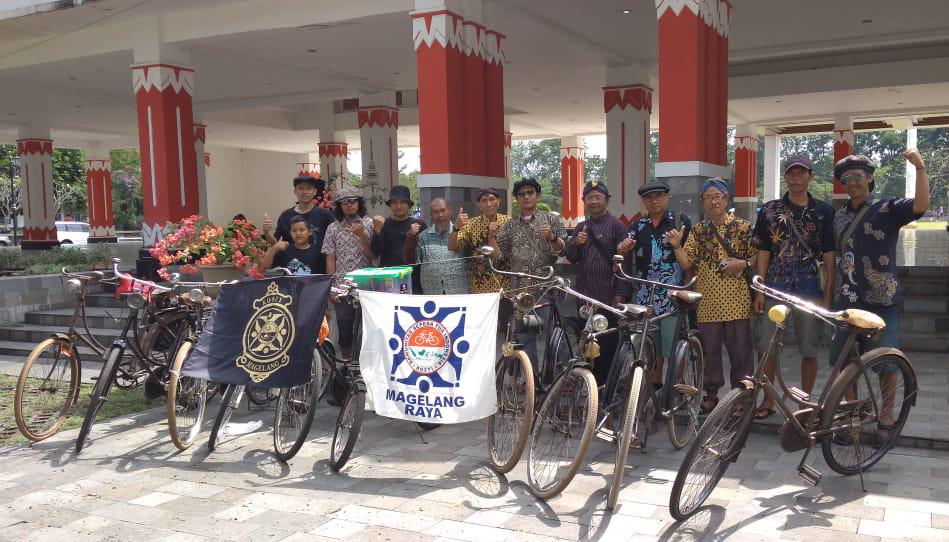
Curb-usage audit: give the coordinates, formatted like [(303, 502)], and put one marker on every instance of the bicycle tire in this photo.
[(326, 370), (185, 394), (99, 394), (689, 370), (259, 396), (39, 406), (625, 437), (720, 429), (230, 402), (547, 421), (347, 428), (159, 342), (864, 411), (557, 355), (507, 382), (293, 418)]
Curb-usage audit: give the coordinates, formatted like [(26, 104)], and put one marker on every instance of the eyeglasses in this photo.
[(349, 201), (713, 197), (526, 193), (853, 177)]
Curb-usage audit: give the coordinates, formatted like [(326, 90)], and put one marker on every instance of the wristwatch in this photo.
[(748, 263)]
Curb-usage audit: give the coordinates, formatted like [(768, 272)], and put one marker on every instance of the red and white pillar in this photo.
[(163, 94), (772, 166), (99, 196), (571, 179), (843, 147), (309, 169), (378, 119), (36, 171), (461, 101), (202, 161), (333, 168), (746, 172), (507, 154), (693, 96), (627, 109)]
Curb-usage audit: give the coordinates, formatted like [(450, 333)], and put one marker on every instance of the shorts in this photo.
[(807, 330)]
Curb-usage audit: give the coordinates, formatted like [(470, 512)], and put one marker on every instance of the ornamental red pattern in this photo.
[(637, 96), (378, 116), (199, 132), (309, 169), (34, 146), (333, 149), (39, 234)]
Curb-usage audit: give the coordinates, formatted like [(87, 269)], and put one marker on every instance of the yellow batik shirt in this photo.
[(724, 298), (470, 238)]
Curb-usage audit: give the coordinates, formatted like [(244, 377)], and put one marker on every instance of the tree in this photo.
[(9, 205), (126, 189), (69, 181)]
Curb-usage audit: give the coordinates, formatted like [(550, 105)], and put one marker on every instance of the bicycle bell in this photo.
[(525, 301), (599, 323), (778, 313), (73, 286), (136, 301)]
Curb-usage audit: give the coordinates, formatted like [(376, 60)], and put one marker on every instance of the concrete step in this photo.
[(933, 305), (924, 342), (924, 281), (21, 349), (924, 322), (36, 333), (98, 317), (105, 299)]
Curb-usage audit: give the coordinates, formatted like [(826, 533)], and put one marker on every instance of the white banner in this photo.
[(429, 358)]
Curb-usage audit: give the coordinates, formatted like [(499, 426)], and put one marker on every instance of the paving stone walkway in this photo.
[(131, 483)]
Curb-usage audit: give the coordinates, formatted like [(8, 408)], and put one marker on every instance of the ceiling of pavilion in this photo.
[(795, 62)]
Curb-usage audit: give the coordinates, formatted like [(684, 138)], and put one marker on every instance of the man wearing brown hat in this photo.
[(795, 240), (867, 229), (592, 248)]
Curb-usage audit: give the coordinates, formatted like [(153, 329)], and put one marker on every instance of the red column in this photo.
[(571, 180), (99, 195), (843, 147), (333, 156), (163, 95), (39, 216), (746, 176)]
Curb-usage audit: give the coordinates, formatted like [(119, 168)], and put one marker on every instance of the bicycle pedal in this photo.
[(799, 394), (809, 474), (635, 444), (685, 389)]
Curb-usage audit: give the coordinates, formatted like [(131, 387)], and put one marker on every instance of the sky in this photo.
[(596, 146)]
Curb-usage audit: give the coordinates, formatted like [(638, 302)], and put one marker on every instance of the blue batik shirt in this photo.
[(655, 259)]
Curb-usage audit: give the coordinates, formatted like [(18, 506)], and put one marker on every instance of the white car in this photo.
[(5, 240), (72, 233)]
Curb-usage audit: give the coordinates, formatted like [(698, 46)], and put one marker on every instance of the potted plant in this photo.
[(219, 252)]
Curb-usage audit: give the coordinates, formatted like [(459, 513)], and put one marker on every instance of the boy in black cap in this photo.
[(389, 239), (308, 191)]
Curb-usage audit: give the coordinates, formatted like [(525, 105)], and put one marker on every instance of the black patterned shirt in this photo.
[(524, 249)]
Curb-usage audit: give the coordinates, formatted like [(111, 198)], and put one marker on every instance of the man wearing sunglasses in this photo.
[(526, 244), (867, 229)]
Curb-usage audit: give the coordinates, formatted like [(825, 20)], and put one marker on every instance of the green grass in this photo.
[(121, 402), (920, 225)]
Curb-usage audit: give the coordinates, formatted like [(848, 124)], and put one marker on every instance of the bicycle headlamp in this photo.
[(778, 313), (599, 323), (196, 296), (525, 301), (73, 286), (585, 311), (135, 301)]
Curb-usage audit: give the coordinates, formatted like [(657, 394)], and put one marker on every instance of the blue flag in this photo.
[(262, 332)]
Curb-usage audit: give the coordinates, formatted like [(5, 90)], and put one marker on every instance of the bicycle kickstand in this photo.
[(858, 448)]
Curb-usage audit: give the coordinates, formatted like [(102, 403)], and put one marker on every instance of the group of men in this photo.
[(842, 259)]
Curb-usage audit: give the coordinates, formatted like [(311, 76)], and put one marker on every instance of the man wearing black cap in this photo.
[(866, 230), (309, 192), (527, 243), (389, 239), (795, 240), (470, 234), (592, 248), (655, 260)]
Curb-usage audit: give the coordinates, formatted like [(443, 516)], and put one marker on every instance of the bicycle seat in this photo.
[(685, 296), (632, 309), (861, 319)]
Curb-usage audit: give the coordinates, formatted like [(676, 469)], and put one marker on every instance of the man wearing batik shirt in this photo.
[(655, 260), (866, 232), (592, 248), (471, 234), (528, 243), (795, 237)]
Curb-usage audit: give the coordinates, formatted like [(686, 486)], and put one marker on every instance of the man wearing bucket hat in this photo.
[(389, 239), (795, 240), (866, 230), (720, 251)]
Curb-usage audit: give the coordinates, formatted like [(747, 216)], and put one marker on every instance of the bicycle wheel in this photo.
[(47, 388), (260, 396), (187, 400), (347, 428), (556, 356), (561, 433), (625, 436), (326, 368), (510, 425), (683, 421), (866, 400), (295, 408), (230, 402), (710, 454), (159, 341), (99, 393)]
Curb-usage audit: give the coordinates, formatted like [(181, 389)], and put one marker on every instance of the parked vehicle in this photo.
[(5, 240), (72, 233)]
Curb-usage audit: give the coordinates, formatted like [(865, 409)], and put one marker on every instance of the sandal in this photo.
[(763, 413), (708, 405), (883, 432)]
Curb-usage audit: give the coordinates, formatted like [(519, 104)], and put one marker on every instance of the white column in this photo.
[(627, 103), (772, 167), (200, 138), (911, 136), (35, 148), (378, 123)]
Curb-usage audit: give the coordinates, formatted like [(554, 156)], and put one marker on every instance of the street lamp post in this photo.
[(14, 166)]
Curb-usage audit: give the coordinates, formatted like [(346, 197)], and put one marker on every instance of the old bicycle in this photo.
[(855, 420)]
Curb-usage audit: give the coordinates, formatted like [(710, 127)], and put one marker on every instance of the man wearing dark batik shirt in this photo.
[(794, 235), (592, 248), (866, 259)]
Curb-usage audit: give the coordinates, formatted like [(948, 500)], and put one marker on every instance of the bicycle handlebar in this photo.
[(831, 317), (487, 252), (93, 277), (156, 288), (621, 274)]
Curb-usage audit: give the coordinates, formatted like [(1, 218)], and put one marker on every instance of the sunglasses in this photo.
[(349, 201), (853, 177), (526, 193)]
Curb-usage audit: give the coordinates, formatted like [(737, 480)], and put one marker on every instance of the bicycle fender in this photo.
[(61, 336), (360, 385), (747, 384)]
